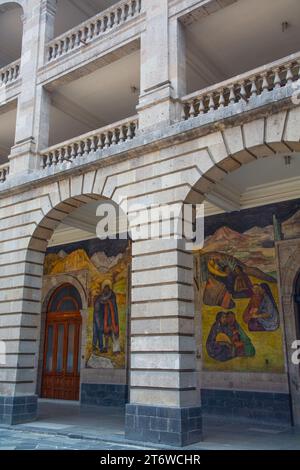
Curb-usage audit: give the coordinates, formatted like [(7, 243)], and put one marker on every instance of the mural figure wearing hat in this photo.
[(106, 320)]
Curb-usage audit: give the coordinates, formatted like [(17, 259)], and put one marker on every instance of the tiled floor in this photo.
[(63, 425)]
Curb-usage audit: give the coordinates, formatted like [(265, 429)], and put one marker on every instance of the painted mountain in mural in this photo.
[(78, 260), (104, 263), (254, 248)]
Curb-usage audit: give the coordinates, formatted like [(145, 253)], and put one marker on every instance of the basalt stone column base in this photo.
[(104, 395), (18, 410), (163, 425)]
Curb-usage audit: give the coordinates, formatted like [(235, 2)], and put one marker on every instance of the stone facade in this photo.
[(169, 160)]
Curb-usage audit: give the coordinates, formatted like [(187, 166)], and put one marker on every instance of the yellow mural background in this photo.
[(268, 345)]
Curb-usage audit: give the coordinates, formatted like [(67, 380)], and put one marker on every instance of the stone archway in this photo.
[(289, 267)]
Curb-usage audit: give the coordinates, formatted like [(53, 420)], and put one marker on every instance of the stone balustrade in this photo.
[(10, 73), (93, 28), (243, 87), (90, 143), (4, 171)]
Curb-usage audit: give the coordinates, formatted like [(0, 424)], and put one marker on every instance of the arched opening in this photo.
[(84, 326), (250, 210), (11, 31), (62, 354), (72, 13), (259, 25)]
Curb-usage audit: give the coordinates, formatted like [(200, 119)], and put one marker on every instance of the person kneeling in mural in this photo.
[(227, 340), (106, 320), (262, 313)]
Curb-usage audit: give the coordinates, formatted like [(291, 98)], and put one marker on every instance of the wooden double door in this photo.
[(61, 368)]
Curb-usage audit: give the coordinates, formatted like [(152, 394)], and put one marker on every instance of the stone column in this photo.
[(20, 311), (32, 125), (164, 401), (162, 66)]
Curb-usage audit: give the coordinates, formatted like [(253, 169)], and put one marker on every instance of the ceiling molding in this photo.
[(226, 198), (207, 7), (260, 195), (69, 235)]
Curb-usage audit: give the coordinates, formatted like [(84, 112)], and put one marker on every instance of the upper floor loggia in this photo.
[(208, 60)]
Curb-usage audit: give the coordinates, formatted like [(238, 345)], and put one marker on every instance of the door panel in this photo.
[(61, 374)]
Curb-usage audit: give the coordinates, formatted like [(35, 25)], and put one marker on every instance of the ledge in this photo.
[(146, 142)]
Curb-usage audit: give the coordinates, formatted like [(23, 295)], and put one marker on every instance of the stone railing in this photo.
[(93, 28), (4, 171), (243, 87), (90, 143), (10, 73)]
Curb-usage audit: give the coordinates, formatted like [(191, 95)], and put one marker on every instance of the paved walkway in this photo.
[(63, 425)]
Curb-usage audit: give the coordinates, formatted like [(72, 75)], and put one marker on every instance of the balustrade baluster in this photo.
[(243, 92), (111, 20), (121, 135), (277, 79), (124, 12), (67, 153), (231, 94), (211, 103), (221, 99), (201, 106), (265, 83), (107, 140), (289, 74), (86, 148), (130, 132), (98, 27), (192, 109), (73, 151), (61, 155), (66, 45), (79, 150), (114, 137), (253, 91), (131, 8), (53, 158), (99, 143)]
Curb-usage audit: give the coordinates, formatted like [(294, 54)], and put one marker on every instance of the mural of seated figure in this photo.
[(227, 340)]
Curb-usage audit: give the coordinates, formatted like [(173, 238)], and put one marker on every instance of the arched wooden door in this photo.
[(61, 369)]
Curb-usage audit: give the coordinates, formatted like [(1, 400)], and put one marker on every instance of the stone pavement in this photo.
[(66, 426)]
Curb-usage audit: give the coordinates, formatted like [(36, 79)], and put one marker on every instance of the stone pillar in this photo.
[(32, 125), (162, 66), (20, 311), (164, 402)]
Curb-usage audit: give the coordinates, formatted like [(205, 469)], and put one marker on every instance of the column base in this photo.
[(18, 410), (163, 425), (103, 395)]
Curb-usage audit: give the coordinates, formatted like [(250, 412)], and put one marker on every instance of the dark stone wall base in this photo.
[(263, 407), (103, 395), (163, 425), (18, 410)]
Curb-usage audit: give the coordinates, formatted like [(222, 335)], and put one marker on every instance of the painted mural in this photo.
[(241, 324), (105, 264)]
